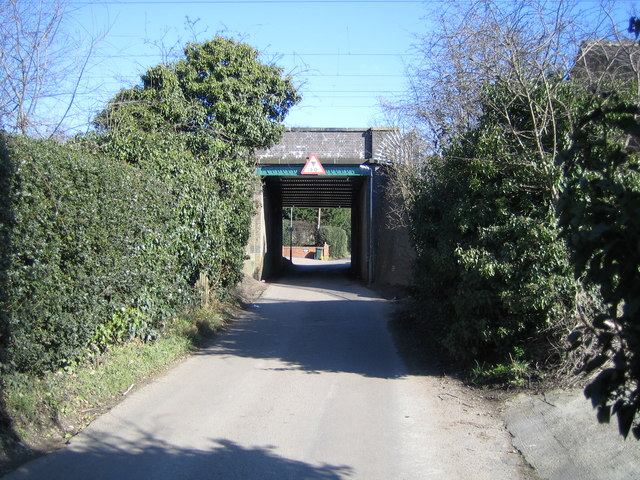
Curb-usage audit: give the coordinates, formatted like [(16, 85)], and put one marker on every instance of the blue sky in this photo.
[(344, 55)]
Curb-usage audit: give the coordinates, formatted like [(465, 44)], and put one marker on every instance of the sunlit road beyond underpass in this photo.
[(307, 385)]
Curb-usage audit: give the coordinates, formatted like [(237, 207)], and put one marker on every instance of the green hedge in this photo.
[(86, 254), (100, 248), (336, 237), (492, 269), (210, 195), (493, 273)]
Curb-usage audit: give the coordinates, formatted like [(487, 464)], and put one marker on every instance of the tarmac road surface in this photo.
[(307, 385)]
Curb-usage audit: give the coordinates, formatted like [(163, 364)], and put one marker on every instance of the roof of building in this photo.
[(607, 61)]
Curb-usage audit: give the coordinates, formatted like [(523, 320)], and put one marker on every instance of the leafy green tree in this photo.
[(309, 215), (336, 238), (331, 217), (337, 217), (219, 91), (195, 123), (244, 100)]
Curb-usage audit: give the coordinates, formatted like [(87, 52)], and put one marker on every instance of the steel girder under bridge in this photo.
[(334, 189)]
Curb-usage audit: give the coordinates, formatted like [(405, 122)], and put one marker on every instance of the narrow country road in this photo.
[(308, 385)]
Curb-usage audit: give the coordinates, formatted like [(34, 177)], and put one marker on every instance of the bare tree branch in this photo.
[(526, 47), (38, 65), (405, 156), (487, 42)]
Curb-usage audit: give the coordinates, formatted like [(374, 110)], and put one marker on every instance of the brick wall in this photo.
[(304, 252)]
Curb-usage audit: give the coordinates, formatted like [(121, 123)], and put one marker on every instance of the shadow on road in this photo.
[(317, 320), (415, 342), (325, 336), (147, 457)]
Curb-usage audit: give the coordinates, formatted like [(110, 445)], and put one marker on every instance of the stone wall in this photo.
[(257, 244)]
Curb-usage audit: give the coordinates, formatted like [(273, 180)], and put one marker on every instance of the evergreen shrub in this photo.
[(85, 255), (336, 237)]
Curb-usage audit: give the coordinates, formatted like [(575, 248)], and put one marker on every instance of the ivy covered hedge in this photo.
[(518, 227), (104, 238), (194, 124), (491, 263), (211, 200), (87, 256)]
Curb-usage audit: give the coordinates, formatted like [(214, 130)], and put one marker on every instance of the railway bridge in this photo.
[(329, 168)]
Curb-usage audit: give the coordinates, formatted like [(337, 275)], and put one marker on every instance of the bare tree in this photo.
[(526, 47), (37, 62)]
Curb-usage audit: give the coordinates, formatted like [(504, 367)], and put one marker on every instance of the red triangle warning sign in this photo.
[(313, 166)]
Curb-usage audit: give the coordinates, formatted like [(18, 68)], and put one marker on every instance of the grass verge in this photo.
[(38, 414)]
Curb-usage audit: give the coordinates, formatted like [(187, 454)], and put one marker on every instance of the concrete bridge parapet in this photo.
[(334, 145)]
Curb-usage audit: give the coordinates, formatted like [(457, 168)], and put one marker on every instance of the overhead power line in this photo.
[(307, 107), (358, 91), (236, 2), (247, 2), (293, 54), (347, 54), (365, 75)]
